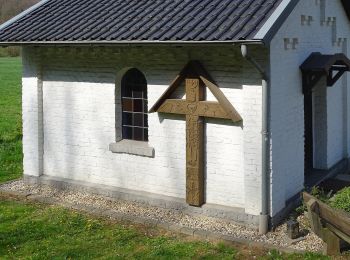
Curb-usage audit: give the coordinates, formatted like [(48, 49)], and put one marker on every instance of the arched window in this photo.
[(134, 106)]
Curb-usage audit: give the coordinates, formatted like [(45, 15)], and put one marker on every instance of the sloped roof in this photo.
[(346, 4), (140, 20)]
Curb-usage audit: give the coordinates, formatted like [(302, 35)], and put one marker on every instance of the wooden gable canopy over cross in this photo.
[(195, 108)]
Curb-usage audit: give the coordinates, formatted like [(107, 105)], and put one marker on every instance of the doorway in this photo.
[(319, 72), (308, 134)]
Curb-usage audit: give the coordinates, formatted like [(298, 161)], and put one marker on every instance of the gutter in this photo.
[(127, 43), (264, 215)]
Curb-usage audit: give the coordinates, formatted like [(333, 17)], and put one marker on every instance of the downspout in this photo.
[(264, 215)]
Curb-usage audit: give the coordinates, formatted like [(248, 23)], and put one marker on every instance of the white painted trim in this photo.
[(273, 20), (24, 13), (132, 147)]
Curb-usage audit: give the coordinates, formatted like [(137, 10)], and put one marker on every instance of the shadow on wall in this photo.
[(83, 106)]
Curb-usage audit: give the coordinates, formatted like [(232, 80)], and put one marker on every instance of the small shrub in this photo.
[(342, 200), (301, 209), (320, 194)]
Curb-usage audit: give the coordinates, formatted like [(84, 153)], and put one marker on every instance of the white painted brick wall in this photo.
[(320, 125), (335, 124), (79, 122), (32, 115), (252, 147), (324, 35), (79, 114)]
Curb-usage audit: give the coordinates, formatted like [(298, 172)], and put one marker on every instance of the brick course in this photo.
[(326, 31), (81, 104), (81, 100)]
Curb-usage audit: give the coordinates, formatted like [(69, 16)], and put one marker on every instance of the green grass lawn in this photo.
[(10, 119), (38, 232), (33, 231)]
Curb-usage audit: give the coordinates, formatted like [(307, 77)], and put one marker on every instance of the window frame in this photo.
[(134, 106)]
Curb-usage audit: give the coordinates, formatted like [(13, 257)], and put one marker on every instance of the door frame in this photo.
[(308, 133)]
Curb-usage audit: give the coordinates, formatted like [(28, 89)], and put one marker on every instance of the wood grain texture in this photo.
[(196, 109), (329, 224), (224, 102), (195, 68), (203, 108), (194, 146), (216, 91), (336, 218), (332, 246), (194, 161), (172, 87)]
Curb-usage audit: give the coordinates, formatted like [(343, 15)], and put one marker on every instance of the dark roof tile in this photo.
[(141, 20)]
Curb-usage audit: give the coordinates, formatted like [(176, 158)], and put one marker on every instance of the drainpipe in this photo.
[(264, 215)]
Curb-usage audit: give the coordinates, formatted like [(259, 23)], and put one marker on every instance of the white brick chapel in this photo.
[(86, 104)]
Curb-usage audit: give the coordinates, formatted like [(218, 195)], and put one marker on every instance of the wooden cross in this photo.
[(195, 109)]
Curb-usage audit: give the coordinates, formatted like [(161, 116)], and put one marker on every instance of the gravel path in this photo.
[(277, 238)]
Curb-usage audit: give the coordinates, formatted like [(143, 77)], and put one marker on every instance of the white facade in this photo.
[(81, 104), (313, 26), (72, 113)]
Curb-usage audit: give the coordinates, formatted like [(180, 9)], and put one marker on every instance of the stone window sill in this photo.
[(132, 147)]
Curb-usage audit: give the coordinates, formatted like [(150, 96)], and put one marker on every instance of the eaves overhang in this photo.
[(127, 43), (275, 21)]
